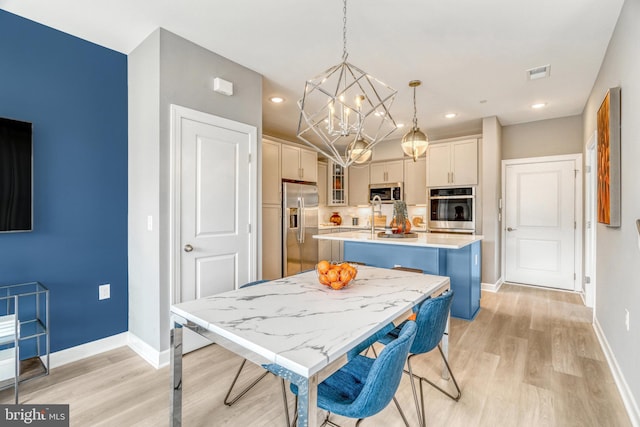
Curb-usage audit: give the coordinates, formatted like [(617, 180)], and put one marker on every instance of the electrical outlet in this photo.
[(626, 318), (104, 291)]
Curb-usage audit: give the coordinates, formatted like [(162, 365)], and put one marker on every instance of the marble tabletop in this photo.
[(303, 326), (428, 240)]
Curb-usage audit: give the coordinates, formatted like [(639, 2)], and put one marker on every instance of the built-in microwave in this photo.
[(389, 192), (452, 210)]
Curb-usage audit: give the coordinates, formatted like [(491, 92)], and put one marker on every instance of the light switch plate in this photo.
[(104, 291)]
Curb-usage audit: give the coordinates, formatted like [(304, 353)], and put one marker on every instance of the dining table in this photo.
[(300, 326)]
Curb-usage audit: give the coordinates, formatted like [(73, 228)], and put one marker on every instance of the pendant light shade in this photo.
[(344, 111), (359, 151), (415, 142)]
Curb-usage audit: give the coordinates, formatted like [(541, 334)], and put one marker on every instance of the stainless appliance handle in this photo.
[(451, 197), (303, 221), (300, 216)]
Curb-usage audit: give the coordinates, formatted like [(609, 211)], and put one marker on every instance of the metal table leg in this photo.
[(176, 376)]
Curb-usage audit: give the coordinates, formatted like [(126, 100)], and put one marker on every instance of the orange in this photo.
[(413, 317), (337, 285), (345, 275), (323, 266), (333, 275), (323, 279)]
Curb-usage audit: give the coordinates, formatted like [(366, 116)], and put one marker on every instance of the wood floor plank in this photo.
[(530, 358)]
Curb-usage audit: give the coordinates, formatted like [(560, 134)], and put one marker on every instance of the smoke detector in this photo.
[(538, 72)]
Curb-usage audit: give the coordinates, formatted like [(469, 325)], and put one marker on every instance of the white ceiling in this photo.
[(464, 51)]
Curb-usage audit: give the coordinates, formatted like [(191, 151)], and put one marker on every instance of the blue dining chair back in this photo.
[(431, 321), (365, 386)]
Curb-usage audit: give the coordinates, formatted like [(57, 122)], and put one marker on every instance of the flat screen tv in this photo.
[(16, 176)]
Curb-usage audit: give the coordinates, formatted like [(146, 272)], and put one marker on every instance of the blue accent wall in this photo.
[(75, 94)]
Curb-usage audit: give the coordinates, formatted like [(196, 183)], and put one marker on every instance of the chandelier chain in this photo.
[(344, 30)]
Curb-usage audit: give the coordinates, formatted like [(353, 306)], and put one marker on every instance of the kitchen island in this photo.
[(454, 255)]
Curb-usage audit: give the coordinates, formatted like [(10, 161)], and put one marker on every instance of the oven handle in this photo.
[(451, 197)]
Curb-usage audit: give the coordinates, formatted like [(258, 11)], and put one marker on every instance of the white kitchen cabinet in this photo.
[(271, 181), (299, 164), (415, 188), (322, 183), (452, 163), (271, 242), (359, 185), (383, 172), (337, 185), (330, 250)]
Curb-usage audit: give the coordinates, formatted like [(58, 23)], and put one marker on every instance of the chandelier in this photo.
[(415, 143), (344, 111)]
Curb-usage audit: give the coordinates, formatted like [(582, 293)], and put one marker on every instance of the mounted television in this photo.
[(16, 176)]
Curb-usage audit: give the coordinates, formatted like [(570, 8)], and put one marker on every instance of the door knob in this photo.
[(188, 248), (511, 229)]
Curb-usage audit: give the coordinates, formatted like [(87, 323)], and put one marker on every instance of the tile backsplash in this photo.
[(363, 214)]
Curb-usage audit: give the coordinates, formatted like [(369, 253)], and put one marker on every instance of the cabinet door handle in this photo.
[(452, 178)]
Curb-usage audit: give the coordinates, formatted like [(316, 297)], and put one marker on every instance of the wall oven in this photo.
[(452, 210), (388, 193)]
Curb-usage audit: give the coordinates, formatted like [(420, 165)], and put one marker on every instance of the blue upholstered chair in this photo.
[(431, 321), (364, 386), (230, 401)]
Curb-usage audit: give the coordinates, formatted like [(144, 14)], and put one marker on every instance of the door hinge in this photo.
[(575, 225), (249, 228), (574, 276), (587, 279), (249, 157), (587, 169)]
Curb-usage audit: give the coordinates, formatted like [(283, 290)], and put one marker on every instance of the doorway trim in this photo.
[(178, 113), (577, 203), (590, 235)]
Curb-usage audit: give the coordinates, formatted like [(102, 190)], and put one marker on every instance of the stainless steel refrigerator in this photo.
[(299, 224)]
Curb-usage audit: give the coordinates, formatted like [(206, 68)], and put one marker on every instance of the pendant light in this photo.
[(344, 111), (415, 142)]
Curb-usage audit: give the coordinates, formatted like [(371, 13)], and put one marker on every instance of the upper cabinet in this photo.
[(337, 184), (452, 163), (270, 172), (358, 185), (299, 164), (383, 172), (415, 189)]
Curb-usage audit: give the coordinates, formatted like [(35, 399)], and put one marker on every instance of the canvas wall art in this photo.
[(609, 159)]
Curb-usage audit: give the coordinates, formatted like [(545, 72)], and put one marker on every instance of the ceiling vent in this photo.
[(538, 72)]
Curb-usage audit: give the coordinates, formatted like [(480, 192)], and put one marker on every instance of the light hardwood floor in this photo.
[(530, 358)]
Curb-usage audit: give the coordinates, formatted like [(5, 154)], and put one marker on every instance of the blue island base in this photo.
[(462, 266)]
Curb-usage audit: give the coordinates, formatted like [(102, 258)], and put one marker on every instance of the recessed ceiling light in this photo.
[(276, 99), (400, 125), (539, 105), (450, 115)]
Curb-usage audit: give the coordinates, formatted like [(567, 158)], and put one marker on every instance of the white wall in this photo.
[(490, 154), (167, 69), (617, 253), (542, 138)]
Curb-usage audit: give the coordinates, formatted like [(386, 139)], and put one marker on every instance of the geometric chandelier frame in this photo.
[(343, 107)]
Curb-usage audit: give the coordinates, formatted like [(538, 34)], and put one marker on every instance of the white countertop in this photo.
[(302, 325), (428, 240)]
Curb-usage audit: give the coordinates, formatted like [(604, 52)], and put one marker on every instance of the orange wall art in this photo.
[(609, 159)]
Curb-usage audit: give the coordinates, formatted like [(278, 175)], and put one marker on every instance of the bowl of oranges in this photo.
[(336, 276)]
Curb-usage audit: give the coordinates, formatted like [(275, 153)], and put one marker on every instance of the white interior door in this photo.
[(215, 210), (539, 224)]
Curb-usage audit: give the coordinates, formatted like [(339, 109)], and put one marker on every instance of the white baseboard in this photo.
[(627, 397), (82, 351), (492, 287), (155, 358)]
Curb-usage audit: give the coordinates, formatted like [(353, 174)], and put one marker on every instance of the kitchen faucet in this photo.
[(375, 201)]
